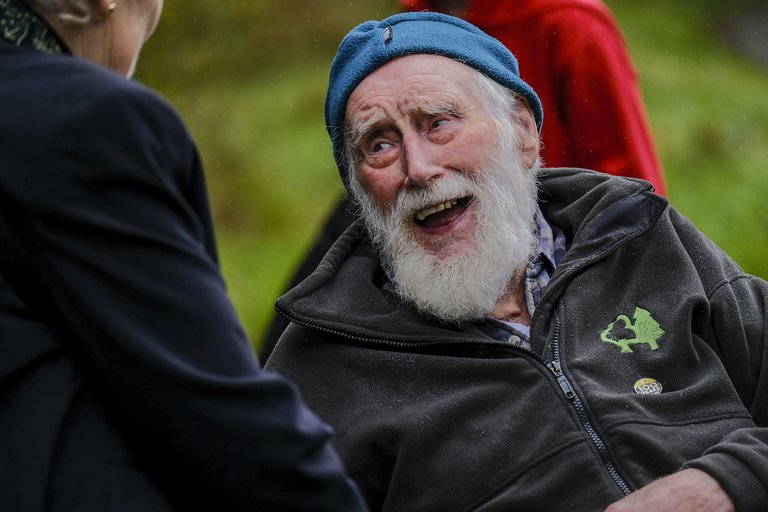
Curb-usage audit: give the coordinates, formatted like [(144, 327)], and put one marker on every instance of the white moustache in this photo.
[(442, 194)]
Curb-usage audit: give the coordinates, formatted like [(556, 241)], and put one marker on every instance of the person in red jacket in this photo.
[(573, 54)]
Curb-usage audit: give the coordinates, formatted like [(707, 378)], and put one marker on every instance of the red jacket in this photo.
[(573, 55)]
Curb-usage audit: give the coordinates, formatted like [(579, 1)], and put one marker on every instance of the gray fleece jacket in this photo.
[(649, 355)]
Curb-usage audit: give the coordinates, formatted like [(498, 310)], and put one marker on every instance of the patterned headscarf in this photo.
[(22, 26)]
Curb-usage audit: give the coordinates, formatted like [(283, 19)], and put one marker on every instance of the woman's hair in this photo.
[(74, 11)]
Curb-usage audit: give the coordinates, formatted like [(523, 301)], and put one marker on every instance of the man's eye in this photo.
[(437, 123), (380, 146)]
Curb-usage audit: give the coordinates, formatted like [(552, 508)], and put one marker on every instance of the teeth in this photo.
[(426, 212)]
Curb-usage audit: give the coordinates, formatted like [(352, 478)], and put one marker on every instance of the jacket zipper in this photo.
[(556, 368)]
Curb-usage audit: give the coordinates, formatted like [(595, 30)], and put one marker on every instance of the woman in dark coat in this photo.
[(126, 380)]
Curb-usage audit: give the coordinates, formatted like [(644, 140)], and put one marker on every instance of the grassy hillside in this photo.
[(250, 81), (709, 114)]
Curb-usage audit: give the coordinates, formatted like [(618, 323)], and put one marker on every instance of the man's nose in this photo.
[(420, 162)]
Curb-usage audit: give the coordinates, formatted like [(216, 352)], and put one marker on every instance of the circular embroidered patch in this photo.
[(648, 386)]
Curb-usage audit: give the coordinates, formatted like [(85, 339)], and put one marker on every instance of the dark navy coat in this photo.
[(126, 379)]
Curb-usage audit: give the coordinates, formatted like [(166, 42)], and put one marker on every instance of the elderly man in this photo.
[(496, 336)]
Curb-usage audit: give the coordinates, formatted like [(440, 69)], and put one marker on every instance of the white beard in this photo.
[(465, 286)]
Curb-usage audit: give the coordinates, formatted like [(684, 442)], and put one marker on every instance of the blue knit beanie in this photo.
[(372, 44)]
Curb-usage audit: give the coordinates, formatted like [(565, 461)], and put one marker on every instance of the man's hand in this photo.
[(690, 490)]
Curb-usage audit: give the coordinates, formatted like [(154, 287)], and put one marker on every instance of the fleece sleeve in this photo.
[(738, 332)]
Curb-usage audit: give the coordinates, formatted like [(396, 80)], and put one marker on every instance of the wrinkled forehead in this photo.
[(419, 82)]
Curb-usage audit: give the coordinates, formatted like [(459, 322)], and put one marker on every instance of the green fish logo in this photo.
[(645, 329)]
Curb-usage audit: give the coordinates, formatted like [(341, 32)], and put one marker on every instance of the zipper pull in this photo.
[(565, 386)]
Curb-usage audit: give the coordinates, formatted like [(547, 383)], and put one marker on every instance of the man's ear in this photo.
[(527, 132)]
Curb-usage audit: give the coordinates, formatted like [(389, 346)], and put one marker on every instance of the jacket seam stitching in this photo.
[(726, 282), (697, 421), (577, 439)]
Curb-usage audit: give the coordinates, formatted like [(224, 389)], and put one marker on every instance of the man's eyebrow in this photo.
[(438, 108), (360, 129)]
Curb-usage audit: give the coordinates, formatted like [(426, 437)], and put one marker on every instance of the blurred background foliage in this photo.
[(249, 78)]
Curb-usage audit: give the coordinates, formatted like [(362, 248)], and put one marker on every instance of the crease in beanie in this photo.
[(372, 44)]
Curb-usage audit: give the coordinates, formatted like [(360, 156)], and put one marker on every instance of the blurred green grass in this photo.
[(249, 78)]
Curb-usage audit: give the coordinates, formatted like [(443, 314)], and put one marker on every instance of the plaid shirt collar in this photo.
[(537, 274), (543, 264)]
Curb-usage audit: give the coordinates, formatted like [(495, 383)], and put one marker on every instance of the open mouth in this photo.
[(442, 213)]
